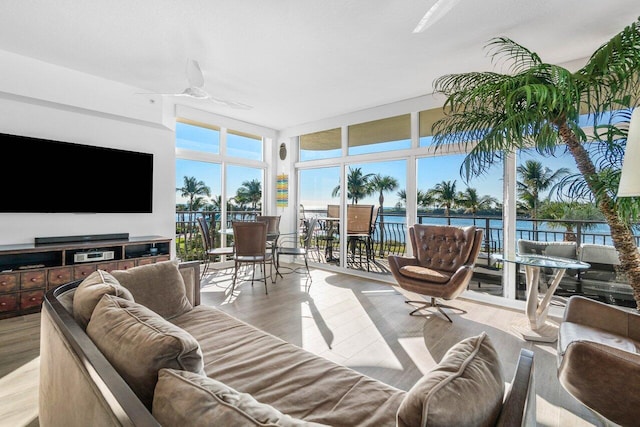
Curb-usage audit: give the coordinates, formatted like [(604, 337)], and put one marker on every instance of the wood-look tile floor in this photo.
[(360, 323)]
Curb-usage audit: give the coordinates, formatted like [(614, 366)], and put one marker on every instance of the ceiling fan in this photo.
[(196, 88), (437, 11)]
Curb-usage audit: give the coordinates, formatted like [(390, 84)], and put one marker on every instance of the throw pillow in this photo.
[(465, 389), (91, 290), (183, 398), (138, 343), (158, 286)]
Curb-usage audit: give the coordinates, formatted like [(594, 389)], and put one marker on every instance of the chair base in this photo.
[(433, 303)]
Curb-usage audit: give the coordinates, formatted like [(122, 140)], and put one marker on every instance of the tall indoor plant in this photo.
[(538, 105)]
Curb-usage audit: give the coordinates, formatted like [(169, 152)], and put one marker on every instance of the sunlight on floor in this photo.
[(344, 332), (19, 395), (415, 348)]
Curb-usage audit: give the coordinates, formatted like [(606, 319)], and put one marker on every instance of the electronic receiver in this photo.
[(93, 256)]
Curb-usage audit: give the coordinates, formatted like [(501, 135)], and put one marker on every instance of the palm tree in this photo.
[(193, 190), (534, 179), (539, 106), (250, 192), (567, 214), (357, 185), (424, 198), (445, 195), (381, 184), (472, 202)]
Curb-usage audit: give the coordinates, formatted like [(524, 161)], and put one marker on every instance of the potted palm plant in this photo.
[(538, 105)]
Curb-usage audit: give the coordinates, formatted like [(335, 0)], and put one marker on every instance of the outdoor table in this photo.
[(535, 326)]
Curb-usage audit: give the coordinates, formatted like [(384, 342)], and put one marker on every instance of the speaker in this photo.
[(77, 239)]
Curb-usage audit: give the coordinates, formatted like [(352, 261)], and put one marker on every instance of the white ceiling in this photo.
[(298, 61)]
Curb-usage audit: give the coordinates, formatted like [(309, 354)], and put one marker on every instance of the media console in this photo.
[(27, 271)]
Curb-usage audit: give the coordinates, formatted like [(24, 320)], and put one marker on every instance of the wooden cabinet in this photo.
[(28, 271)]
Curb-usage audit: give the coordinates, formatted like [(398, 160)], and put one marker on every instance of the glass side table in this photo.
[(535, 326)]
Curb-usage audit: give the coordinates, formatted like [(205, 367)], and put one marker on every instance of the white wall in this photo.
[(45, 101)]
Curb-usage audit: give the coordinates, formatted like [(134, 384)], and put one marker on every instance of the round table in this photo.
[(535, 326)]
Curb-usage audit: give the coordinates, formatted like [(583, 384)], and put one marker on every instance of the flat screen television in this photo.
[(42, 175)]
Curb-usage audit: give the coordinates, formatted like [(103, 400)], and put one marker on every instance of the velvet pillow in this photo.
[(91, 290), (138, 343), (158, 286), (187, 399), (465, 389)]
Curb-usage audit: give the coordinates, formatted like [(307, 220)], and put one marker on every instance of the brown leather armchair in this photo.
[(442, 265), (599, 358)]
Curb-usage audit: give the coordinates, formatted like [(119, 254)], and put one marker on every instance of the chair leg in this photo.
[(433, 303), (264, 267), (235, 276)]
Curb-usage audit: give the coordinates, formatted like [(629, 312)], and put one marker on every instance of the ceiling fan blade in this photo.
[(194, 74), (437, 11)]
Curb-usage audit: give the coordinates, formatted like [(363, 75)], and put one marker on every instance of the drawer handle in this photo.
[(3, 304), (33, 279), (3, 283), (32, 299)]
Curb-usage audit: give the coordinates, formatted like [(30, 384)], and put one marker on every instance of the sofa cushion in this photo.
[(465, 389), (138, 343), (91, 290), (158, 286), (296, 382), (186, 399)]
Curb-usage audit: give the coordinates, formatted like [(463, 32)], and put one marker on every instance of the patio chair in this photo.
[(441, 265), (210, 252), (359, 219), (250, 241), (328, 231), (273, 233), (286, 248)]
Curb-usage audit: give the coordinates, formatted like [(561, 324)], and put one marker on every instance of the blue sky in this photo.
[(317, 184)]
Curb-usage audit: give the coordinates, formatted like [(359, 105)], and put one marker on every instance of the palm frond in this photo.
[(505, 49), (613, 69)]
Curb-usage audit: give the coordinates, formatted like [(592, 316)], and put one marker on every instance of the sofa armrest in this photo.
[(190, 272), (77, 383), (602, 316), (601, 377), (519, 407)]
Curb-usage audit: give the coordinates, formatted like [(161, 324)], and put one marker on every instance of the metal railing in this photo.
[(393, 238)]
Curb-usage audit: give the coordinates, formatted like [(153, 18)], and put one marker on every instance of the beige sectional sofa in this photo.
[(135, 348)]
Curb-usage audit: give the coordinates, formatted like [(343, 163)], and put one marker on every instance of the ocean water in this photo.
[(598, 233)]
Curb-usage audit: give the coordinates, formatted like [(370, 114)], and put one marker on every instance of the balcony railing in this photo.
[(393, 239)]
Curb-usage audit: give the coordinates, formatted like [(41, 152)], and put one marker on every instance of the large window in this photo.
[(244, 191), (389, 134), (244, 145), (198, 185), (443, 197), (426, 120), (219, 176), (197, 137), (321, 145)]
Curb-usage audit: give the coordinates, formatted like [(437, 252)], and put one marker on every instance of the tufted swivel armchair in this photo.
[(441, 266)]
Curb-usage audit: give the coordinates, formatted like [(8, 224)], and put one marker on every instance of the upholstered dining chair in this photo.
[(210, 251), (250, 242), (441, 265), (359, 219)]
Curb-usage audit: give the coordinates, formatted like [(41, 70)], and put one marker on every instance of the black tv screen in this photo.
[(41, 175)]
